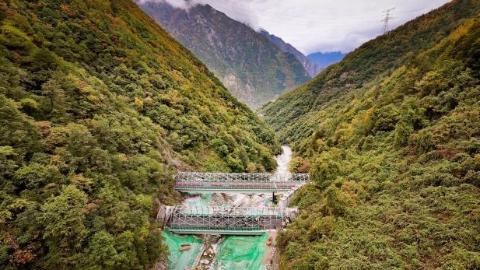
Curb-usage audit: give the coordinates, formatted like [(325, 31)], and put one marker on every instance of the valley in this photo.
[(255, 69), (129, 140)]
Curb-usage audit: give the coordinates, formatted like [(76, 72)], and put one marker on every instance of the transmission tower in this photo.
[(386, 20)]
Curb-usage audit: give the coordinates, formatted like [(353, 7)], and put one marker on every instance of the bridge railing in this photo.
[(300, 177), (231, 211), (239, 177)]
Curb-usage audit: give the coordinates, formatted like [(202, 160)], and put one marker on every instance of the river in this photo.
[(229, 252)]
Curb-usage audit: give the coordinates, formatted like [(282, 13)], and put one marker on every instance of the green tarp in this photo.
[(241, 252), (233, 253), (181, 260)]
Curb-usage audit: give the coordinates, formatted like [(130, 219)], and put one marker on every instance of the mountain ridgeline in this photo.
[(391, 137), (98, 107), (253, 68), (323, 60), (311, 68)]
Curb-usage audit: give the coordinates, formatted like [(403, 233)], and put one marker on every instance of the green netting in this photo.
[(181, 260), (241, 252), (234, 253)]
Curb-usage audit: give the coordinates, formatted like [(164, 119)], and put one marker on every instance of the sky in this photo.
[(319, 25)]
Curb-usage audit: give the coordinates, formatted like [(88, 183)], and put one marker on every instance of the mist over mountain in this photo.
[(253, 68)]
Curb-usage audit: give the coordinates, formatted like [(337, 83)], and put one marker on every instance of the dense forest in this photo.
[(391, 137), (98, 107)]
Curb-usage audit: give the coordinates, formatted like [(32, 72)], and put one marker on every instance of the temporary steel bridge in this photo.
[(231, 220), (238, 182), (221, 220)]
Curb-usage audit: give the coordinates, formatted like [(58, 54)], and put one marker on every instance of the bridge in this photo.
[(238, 182), (231, 220), (225, 221)]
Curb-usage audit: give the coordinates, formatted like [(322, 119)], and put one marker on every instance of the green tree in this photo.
[(101, 251), (63, 220), (402, 133), (36, 175), (325, 169)]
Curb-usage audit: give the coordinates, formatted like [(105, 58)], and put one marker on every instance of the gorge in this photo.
[(100, 109)]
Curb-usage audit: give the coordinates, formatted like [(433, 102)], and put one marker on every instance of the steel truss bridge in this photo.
[(219, 220), (238, 182), (231, 220)]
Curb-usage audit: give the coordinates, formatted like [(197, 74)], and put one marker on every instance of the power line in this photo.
[(387, 19)]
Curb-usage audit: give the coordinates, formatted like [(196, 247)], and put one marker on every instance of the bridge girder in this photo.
[(218, 220), (238, 182), (240, 177)]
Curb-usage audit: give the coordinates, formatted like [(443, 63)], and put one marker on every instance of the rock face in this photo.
[(253, 68)]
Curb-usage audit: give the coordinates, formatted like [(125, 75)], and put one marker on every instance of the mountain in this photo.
[(98, 108), (311, 68), (391, 138), (250, 66), (323, 60)]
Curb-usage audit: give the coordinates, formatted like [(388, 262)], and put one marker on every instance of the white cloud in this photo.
[(183, 4), (238, 10), (319, 25)]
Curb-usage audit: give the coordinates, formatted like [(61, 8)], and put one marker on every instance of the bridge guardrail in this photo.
[(231, 211)]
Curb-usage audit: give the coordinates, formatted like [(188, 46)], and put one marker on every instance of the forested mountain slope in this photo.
[(392, 139), (254, 69), (311, 68), (98, 106), (289, 114)]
